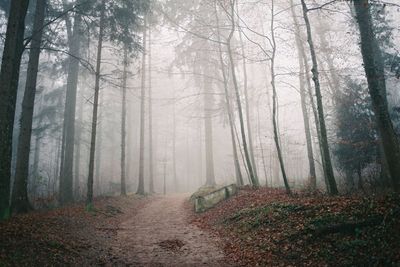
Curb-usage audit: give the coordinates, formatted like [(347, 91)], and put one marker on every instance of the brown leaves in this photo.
[(267, 227), (64, 236)]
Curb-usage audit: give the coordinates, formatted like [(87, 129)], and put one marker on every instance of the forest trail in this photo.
[(159, 234)]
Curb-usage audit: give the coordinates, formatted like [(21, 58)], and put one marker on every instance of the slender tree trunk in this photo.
[(313, 108), (261, 146), (151, 160), (200, 150), (36, 156), (208, 102), (331, 183), (311, 164), (99, 144), (35, 167), (239, 178), (19, 201), (275, 106), (246, 98), (252, 177), (78, 138), (123, 124), (332, 78), (9, 76), (140, 189), (374, 70), (165, 177), (89, 198), (175, 178)]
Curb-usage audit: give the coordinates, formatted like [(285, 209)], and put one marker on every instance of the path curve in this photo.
[(160, 235)]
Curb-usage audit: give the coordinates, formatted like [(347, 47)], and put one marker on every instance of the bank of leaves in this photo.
[(267, 227)]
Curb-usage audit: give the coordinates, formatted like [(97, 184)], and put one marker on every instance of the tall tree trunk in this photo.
[(66, 179), (250, 168), (175, 178), (99, 143), (275, 106), (331, 183), (374, 70), (9, 76), (36, 156), (151, 160), (312, 173), (208, 131), (238, 173), (246, 97), (261, 146), (19, 200), (140, 189), (313, 107), (89, 197), (78, 145), (35, 167), (123, 124), (332, 77)]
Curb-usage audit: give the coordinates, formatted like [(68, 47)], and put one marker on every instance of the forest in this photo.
[(199, 133)]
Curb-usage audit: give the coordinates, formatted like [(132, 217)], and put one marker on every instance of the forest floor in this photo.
[(266, 227), (119, 231), (262, 227)]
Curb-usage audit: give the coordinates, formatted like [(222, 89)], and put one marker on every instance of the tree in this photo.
[(140, 189), (246, 97), (89, 198), (123, 123), (356, 144), (327, 164), (118, 23), (68, 143), (239, 178), (150, 107), (250, 168), (374, 71), (19, 201), (195, 48), (275, 103), (303, 97), (9, 76), (208, 106)]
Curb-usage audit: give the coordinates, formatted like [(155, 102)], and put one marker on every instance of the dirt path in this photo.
[(159, 235)]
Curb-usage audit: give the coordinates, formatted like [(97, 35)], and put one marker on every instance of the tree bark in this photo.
[(19, 201), (238, 173), (312, 173), (246, 98), (151, 160), (208, 132), (89, 197), (140, 189), (66, 178), (331, 183), (261, 147), (374, 70), (9, 76), (252, 177), (175, 179), (123, 124), (275, 106), (99, 144), (77, 169)]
